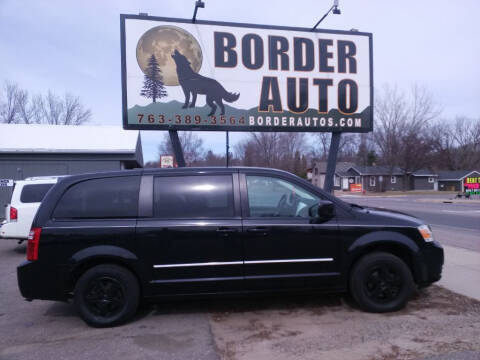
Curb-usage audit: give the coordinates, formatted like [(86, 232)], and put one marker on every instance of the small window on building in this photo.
[(393, 179), (316, 171), (336, 180), (372, 180), (431, 179)]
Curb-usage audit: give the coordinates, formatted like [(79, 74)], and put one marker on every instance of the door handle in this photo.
[(226, 230), (259, 231)]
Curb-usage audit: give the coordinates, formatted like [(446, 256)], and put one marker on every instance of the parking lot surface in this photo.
[(436, 325)]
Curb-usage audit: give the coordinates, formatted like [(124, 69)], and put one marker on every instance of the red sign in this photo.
[(356, 188)]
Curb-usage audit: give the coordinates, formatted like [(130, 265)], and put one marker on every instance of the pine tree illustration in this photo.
[(152, 84)]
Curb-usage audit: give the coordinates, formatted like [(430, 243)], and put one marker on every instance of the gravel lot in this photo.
[(276, 327), (437, 321)]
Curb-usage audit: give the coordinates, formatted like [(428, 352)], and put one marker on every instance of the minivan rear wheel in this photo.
[(381, 282), (106, 295)]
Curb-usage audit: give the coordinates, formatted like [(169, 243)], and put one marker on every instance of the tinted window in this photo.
[(100, 198), (273, 197), (34, 193), (193, 197)]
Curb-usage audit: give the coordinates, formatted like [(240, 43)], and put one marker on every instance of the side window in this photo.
[(273, 197), (115, 197), (34, 193), (187, 197)]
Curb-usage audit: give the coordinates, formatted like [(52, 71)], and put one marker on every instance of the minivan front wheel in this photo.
[(381, 282), (106, 295)]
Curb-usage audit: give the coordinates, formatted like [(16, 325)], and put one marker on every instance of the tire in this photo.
[(381, 282), (106, 295)]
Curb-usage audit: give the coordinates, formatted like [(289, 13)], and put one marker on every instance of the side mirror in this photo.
[(324, 210)]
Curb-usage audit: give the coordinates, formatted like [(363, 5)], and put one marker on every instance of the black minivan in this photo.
[(108, 240)]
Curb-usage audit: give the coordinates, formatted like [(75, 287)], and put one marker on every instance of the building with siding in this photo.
[(374, 178), (44, 150), (377, 178), (455, 180), (319, 169), (424, 180)]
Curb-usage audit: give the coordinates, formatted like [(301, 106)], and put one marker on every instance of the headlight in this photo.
[(426, 233)]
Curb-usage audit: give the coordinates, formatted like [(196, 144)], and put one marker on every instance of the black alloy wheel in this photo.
[(381, 282), (106, 295)]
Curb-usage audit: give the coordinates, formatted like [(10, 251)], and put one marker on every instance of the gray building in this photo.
[(423, 180), (455, 180), (376, 178), (319, 169), (41, 150)]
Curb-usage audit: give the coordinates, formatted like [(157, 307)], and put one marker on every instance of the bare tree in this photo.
[(347, 148), (16, 106), (74, 112), (466, 133), (390, 115), (291, 147), (8, 103), (401, 129), (267, 148), (444, 146), (286, 151), (192, 146), (55, 110), (321, 145), (25, 108)]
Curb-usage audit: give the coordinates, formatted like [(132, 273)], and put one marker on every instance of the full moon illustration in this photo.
[(162, 41)]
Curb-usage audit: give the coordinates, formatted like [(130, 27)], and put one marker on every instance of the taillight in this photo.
[(13, 213), (32, 245)]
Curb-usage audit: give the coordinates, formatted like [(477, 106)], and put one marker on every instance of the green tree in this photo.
[(153, 87)]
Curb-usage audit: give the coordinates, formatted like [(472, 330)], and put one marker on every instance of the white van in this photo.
[(26, 198)]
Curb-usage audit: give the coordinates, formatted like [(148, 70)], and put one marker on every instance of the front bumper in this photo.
[(431, 263), (43, 281)]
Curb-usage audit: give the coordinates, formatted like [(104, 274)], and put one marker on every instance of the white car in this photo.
[(26, 198)]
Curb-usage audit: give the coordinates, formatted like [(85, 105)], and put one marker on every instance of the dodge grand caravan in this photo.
[(108, 240)]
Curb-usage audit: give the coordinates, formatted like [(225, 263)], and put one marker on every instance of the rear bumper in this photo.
[(10, 230), (43, 281)]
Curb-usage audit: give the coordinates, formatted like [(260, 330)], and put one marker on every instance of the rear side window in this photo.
[(193, 197), (34, 193), (115, 197)]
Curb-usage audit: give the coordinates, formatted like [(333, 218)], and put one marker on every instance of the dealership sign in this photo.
[(472, 185), (180, 75)]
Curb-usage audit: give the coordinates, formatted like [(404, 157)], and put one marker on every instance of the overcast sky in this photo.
[(74, 46)]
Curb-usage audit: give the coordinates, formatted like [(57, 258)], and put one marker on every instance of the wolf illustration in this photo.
[(193, 83)]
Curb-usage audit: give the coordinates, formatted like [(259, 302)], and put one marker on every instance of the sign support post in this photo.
[(177, 148), (227, 149), (332, 161)]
